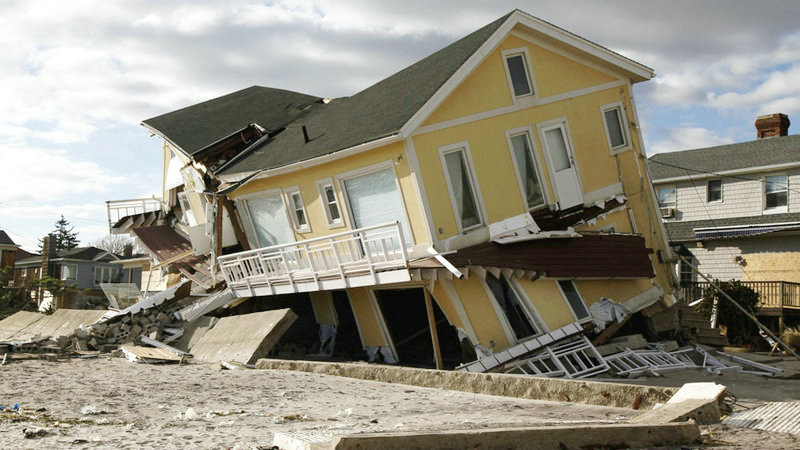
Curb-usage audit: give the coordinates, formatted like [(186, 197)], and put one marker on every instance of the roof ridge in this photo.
[(732, 144)]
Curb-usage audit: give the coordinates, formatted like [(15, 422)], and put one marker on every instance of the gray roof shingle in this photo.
[(761, 152), (683, 231), (376, 112), (5, 239), (195, 127)]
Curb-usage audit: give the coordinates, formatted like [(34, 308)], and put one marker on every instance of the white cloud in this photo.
[(687, 137)]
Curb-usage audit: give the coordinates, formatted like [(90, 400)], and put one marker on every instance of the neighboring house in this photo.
[(84, 268), (8, 251), (513, 155), (736, 209)]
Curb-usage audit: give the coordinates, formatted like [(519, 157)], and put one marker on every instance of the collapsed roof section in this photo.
[(194, 128)]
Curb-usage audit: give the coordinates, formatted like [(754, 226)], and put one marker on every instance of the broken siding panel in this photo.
[(446, 304), (616, 290), (548, 301), (480, 312), (365, 315)]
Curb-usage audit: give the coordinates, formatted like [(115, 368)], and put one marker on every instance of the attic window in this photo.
[(518, 72), (616, 132)]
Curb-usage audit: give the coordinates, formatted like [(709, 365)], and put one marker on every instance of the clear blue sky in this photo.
[(79, 76)]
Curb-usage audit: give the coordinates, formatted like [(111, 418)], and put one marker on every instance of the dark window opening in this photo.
[(574, 299), (714, 190), (512, 306), (406, 318), (519, 75)]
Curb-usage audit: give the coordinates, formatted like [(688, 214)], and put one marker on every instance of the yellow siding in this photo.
[(491, 156), (548, 301), (618, 290), (486, 88), (480, 312), (556, 74), (366, 317), (323, 307), (306, 181), (620, 219), (446, 304)]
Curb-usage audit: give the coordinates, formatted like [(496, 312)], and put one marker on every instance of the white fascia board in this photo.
[(752, 225), (746, 170), (319, 160), (169, 141), (636, 70)]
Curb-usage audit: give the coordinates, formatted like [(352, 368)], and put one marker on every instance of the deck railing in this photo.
[(362, 252), (117, 209), (773, 294)]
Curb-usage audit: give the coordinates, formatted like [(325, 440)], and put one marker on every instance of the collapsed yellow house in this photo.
[(487, 194)]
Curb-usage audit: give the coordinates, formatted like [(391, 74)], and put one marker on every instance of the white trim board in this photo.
[(723, 173)]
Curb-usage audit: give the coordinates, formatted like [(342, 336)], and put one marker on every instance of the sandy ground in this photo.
[(112, 403), (108, 402)]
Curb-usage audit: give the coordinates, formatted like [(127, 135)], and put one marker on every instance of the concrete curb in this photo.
[(519, 386), (564, 437)]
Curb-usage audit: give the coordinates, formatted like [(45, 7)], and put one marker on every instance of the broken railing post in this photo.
[(740, 308)]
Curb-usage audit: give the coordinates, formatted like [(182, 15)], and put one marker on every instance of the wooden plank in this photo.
[(136, 353), (218, 226), (437, 351), (610, 331)]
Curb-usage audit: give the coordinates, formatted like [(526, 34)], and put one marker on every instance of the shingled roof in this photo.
[(5, 239), (379, 111), (195, 127), (758, 153)]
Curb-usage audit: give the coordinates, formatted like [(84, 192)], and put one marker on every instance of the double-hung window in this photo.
[(714, 191), (330, 203), (519, 72), (616, 131), (299, 216), (463, 195), (527, 173), (776, 193)]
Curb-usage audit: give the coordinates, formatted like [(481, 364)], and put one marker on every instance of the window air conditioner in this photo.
[(668, 212)]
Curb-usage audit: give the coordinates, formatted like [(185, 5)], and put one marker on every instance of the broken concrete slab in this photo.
[(560, 436), (508, 385), (17, 322), (193, 331), (63, 322), (136, 353), (698, 401), (244, 338)]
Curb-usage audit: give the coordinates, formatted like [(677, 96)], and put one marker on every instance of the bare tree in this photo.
[(115, 243)]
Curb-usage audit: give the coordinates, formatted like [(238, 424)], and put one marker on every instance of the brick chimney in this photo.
[(772, 125), (127, 251), (48, 254)]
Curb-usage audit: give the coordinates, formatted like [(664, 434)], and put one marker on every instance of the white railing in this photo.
[(362, 252), (117, 209)]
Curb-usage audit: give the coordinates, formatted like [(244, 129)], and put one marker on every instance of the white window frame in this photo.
[(321, 186), (529, 72), (247, 220), (290, 192), (721, 197), (779, 209), (566, 300), (377, 167), (476, 188), (527, 305), (186, 208), (623, 124), (61, 275), (112, 272), (537, 161), (667, 205)]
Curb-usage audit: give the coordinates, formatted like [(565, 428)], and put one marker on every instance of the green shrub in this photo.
[(741, 330)]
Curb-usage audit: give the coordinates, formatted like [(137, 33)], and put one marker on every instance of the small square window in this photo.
[(69, 272), (714, 191), (667, 197)]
